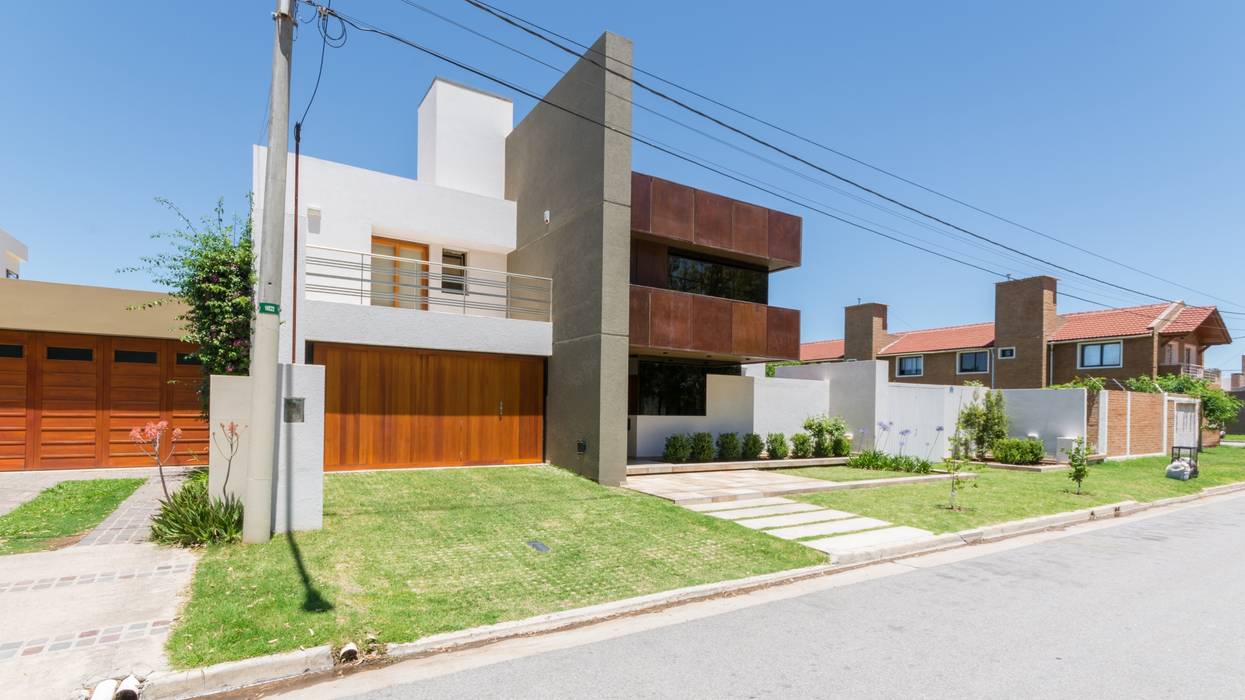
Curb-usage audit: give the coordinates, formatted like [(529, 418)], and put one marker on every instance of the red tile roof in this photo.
[(977, 335), (820, 350), (1108, 323), (1188, 320)]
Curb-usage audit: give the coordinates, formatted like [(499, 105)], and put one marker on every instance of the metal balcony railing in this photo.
[(384, 280)]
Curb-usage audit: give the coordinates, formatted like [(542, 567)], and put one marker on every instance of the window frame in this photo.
[(961, 353), (899, 366), (1080, 354), (1010, 356), (458, 286)]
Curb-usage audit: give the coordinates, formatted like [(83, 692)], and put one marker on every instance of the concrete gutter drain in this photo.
[(538, 546)]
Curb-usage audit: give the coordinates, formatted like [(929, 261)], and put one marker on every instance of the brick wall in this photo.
[(864, 331), (1146, 436), (1092, 403), (1024, 317), (1140, 358), (1117, 423)]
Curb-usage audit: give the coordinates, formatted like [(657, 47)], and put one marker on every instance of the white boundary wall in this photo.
[(735, 404), (1047, 413)]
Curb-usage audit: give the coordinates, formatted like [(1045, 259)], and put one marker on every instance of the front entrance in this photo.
[(402, 407), (69, 401)]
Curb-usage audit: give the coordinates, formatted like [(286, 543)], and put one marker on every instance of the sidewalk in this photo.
[(101, 608)]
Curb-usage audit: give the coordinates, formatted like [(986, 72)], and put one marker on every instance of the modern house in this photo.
[(1030, 344), (12, 254)]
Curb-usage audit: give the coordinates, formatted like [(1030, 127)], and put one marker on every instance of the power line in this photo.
[(518, 22)]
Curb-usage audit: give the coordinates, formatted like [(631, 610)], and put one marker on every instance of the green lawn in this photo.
[(843, 473), (1005, 495), (1234, 437), (407, 554), (60, 513)]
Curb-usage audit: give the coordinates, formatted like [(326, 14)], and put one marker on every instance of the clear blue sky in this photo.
[(1113, 124)]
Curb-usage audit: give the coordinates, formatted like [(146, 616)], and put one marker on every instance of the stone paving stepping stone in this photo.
[(764, 510), (812, 516), (829, 528), (874, 538), (731, 505)]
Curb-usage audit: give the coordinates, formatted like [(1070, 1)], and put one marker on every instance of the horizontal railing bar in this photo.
[(458, 293), (422, 298), (426, 262), (422, 275)]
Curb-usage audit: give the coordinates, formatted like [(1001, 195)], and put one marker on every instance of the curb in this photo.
[(235, 675), (232, 675)]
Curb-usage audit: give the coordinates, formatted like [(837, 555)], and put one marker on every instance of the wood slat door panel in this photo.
[(398, 407), (135, 395), (14, 381), (183, 406), (68, 400)]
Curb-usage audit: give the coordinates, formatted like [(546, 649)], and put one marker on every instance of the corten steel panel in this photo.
[(648, 263), (672, 210), (670, 319), (711, 324), (641, 202), (639, 316), (750, 226), (784, 236), (782, 333), (713, 220), (748, 329)]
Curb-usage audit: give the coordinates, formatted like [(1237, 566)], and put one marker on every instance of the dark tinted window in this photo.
[(142, 357), (717, 278), (80, 354), (974, 362), (187, 358), (11, 351), (674, 388)]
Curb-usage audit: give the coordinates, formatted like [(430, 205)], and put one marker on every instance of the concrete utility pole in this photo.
[(257, 506)]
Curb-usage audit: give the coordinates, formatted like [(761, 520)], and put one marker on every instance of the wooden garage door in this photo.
[(397, 407), (69, 401)]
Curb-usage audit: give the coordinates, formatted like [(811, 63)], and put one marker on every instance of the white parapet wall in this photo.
[(1049, 414), (735, 404)]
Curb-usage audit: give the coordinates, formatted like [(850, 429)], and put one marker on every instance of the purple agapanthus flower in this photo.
[(905, 432)]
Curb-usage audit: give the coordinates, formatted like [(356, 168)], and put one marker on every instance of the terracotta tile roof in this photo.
[(1188, 320), (819, 350), (1108, 323), (977, 335)]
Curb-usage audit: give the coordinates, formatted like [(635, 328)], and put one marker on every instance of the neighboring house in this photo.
[(1030, 344), (12, 254)]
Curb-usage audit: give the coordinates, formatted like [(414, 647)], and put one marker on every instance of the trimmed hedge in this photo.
[(776, 446), (1018, 451), (728, 447), (752, 446), (678, 448)]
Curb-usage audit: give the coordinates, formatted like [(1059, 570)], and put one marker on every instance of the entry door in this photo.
[(1186, 434), (399, 273), (69, 389)]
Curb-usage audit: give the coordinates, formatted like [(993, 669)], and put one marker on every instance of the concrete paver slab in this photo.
[(732, 505), (832, 527), (812, 516), (873, 538), (764, 510)]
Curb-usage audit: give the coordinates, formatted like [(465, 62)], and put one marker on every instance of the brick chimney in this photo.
[(1024, 318), (864, 331)]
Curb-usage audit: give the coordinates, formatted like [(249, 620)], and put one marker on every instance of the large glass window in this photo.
[(674, 388), (911, 366), (975, 362), (717, 278), (1101, 355)]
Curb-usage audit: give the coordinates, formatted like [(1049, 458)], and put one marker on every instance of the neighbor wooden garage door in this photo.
[(398, 407), (69, 401)]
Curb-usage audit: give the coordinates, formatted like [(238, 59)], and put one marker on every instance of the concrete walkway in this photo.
[(101, 608), (751, 484), (834, 532)]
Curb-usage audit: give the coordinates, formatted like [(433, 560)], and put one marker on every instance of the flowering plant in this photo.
[(153, 439)]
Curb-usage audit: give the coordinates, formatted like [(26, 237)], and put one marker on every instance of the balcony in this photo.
[(1191, 370), (674, 323), (356, 277)]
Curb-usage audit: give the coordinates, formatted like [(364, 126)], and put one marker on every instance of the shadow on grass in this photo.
[(313, 600)]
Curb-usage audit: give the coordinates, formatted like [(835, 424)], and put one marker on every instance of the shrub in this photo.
[(752, 446), (1078, 463), (1019, 451), (728, 446), (869, 459), (189, 518), (801, 445), (983, 422), (840, 446), (878, 460), (678, 448), (825, 430), (702, 447), (776, 446), (1093, 384)]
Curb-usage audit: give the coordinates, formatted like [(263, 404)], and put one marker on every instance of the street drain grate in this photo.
[(538, 546)]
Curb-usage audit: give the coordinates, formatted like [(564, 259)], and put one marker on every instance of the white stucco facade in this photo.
[(12, 254), (456, 206)]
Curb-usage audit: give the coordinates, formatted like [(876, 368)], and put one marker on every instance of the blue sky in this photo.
[(1115, 125)]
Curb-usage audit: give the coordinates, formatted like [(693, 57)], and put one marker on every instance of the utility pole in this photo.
[(257, 505)]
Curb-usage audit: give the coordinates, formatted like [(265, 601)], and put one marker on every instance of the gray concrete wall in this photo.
[(581, 174), (298, 493)]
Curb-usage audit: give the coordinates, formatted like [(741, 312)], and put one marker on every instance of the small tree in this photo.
[(227, 442), (211, 269), (954, 466), (983, 422), (153, 439), (1078, 462)]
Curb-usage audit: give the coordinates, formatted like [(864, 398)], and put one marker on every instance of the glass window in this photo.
[(674, 388), (142, 357), (452, 277), (910, 366), (1102, 354), (11, 350), (74, 354), (1007, 353), (715, 278), (975, 362)]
